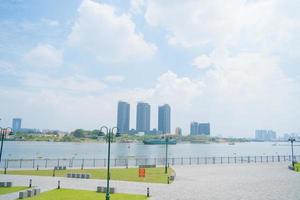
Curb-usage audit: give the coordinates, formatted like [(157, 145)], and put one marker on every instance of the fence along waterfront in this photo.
[(133, 162)]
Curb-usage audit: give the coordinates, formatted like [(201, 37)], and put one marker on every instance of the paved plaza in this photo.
[(207, 182)]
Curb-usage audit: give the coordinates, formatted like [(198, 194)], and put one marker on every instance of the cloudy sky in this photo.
[(235, 64)]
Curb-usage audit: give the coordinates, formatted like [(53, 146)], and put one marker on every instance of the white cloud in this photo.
[(110, 37), (76, 84), (239, 94), (7, 68), (234, 24), (136, 6), (50, 22), (44, 55), (202, 62), (114, 78)]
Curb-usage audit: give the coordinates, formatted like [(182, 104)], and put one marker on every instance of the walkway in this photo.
[(207, 182)]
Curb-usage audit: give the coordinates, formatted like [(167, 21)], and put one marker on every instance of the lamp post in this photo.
[(167, 142), (3, 132), (292, 140), (109, 132)]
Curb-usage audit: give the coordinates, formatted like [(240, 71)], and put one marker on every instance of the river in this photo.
[(33, 150)]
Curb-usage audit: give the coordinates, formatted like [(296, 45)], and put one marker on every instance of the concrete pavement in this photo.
[(207, 182)]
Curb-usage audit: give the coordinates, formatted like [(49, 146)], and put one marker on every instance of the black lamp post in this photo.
[(109, 132), (4, 132), (292, 140), (167, 142)]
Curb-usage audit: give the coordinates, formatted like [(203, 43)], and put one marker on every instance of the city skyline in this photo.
[(65, 65), (143, 118), (259, 134)]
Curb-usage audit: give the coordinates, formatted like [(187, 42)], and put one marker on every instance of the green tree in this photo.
[(79, 133)]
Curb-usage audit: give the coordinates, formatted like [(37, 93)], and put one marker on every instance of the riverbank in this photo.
[(125, 138)]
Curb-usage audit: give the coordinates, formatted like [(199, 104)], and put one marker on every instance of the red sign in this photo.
[(142, 172)]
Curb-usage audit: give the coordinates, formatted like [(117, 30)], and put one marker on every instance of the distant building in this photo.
[(178, 131), (265, 135), (16, 124), (204, 128), (164, 119), (154, 132), (194, 128), (294, 135), (30, 130), (200, 128), (143, 117), (123, 117)]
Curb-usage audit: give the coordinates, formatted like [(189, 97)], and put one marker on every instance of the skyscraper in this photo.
[(265, 135), (123, 117), (194, 128), (16, 124), (143, 117), (204, 128), (200, 128), (164, 118), (178, 131)]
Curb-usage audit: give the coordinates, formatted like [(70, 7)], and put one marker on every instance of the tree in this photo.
[(79, 133)]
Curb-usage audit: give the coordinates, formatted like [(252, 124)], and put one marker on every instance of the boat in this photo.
[(159, 141)]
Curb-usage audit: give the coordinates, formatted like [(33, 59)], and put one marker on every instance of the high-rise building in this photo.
[(123, 117), (143, 117), (178, 131), (204, 128), (265, 135), (199, 128), (16, 124), (194, 128), (164, 118)]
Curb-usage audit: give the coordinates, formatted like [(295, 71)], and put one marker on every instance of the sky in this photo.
[(66, 64)]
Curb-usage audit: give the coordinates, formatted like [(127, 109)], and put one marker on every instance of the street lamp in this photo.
[(4, 132), (109, 133), (292, 140), (167, 142)]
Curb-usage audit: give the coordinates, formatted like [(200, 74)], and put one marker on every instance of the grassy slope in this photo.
[(153, 175), (6, 190), (68, 194)]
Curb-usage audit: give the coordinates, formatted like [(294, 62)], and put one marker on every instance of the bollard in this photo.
[(53, 172), (81, 166), (30, 183), (58, 185), (168, 180), (148, 192), (5, 170), (37, 168)]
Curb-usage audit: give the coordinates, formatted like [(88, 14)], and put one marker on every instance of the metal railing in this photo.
[(131, 162)]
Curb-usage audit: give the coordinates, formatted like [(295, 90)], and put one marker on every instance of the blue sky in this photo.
[(65, 64)]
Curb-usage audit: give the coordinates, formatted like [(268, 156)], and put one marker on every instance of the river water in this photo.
[(33, 150)]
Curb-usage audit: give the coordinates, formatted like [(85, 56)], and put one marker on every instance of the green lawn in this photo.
[(67, 194), (297, 167), (6, 190), (153, 175)]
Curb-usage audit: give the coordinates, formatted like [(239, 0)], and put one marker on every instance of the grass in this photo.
[(68, 194), (297, 167), (153, 175), (6, 190)]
